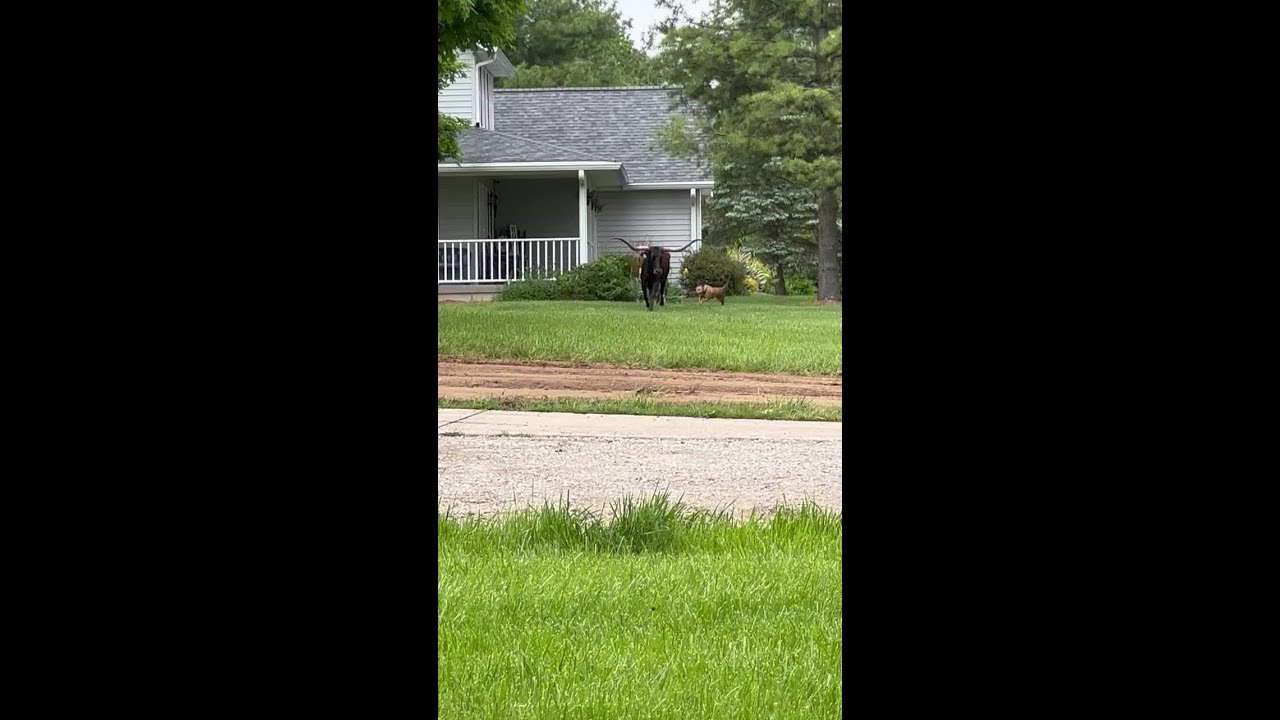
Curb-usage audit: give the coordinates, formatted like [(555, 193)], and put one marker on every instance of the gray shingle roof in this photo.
[(487, 146), (619, 123)]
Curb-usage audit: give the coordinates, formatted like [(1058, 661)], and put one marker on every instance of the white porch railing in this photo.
[(504, 260)]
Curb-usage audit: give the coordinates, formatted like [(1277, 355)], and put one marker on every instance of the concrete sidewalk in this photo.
[(502, 422)]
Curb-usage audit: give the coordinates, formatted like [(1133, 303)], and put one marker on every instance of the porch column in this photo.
[(698, 225), (695, 232), (583, 247)]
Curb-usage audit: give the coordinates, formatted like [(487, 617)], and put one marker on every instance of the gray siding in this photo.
[(546, 207), (458, 99), (456, 205), (645, 217)]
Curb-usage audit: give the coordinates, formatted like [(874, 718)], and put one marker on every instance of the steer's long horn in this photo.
[(624, 242), (690, 243)]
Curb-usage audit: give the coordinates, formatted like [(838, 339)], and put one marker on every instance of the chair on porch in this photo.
[(509, 258), (452, 262)]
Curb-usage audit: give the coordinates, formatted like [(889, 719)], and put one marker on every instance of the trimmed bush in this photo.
[(713, 267), (608, 278), (529, 290), (800, 285)]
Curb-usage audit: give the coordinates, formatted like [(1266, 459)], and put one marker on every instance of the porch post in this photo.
[(695, 232), (698, 225), (583, 248)]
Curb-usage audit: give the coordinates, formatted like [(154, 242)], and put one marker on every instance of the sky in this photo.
[(643, 13)]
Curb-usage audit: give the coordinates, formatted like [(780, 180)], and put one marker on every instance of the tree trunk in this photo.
[(828, 245), (828, 234), (780, 284)]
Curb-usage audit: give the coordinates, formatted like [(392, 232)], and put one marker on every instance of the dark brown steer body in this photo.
[(655, 266)]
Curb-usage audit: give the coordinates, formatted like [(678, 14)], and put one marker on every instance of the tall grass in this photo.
[(644, 609), (656, 523), (753, 333)]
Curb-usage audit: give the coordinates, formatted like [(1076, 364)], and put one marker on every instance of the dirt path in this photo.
[(460, 379)]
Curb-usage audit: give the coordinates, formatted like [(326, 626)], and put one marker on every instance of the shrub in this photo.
[(800, 285), (756, 270), (539, 289), (608, 278), (713, 267)]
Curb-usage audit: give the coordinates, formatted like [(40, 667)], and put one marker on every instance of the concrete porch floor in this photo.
[(466, 293)]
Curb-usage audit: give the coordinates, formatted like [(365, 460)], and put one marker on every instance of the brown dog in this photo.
[(706, 291)]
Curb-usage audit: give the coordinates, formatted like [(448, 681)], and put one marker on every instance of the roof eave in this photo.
[(608, 175), (501, 65), (528, 166), (677, 185)]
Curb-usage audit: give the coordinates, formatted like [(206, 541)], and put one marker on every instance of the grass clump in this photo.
[(653, 524)]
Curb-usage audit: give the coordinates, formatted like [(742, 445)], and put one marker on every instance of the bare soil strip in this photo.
[(462, 379)]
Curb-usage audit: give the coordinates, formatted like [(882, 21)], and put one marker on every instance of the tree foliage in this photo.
[(467, 25), (575, 43), (767, 77), (775, 221)]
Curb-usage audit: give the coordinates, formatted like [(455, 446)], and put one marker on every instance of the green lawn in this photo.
[(760, 333), (661, 613), (788, 409)]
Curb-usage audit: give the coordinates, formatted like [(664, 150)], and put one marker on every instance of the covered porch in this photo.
[(498, 222)]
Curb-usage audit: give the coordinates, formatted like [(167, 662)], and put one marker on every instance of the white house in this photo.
[(567, 168)]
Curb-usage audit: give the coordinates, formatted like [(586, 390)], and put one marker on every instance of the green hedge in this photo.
[(608, 278), (801, 285), (529, 290), (713, 267)]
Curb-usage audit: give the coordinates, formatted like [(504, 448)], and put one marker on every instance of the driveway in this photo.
[(492, 461)]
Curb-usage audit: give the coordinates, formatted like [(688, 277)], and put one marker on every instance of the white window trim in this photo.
[(698, 184)]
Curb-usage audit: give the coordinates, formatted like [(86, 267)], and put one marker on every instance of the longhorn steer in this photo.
[(655, 265)]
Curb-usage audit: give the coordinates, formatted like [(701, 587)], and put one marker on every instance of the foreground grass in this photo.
[(773, 410), (660, 613), (759, 333)]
